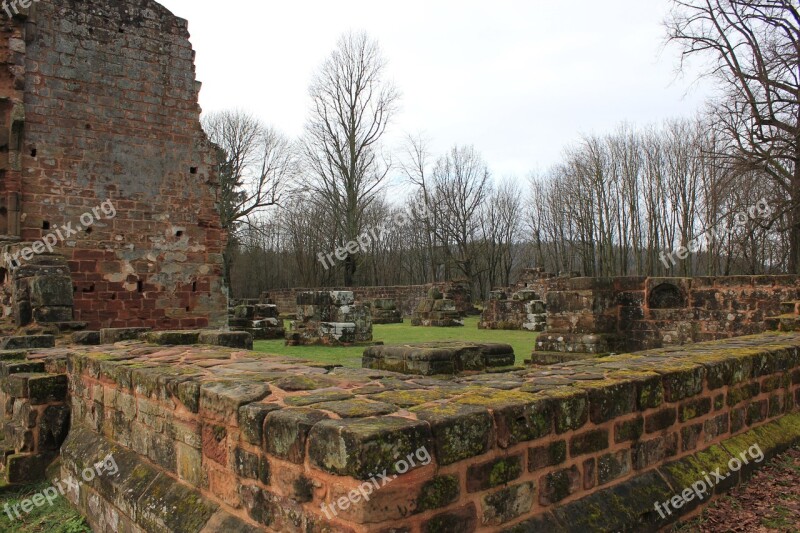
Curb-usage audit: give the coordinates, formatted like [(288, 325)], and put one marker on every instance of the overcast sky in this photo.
[(519, 79)]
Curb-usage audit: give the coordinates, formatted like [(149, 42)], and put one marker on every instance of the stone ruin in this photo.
[(385, 311), (591, 317), (262, 321), (212, 438), (329, 318), (439, 358), (437, 311), (524, 310), (209, 436), (102, 153)]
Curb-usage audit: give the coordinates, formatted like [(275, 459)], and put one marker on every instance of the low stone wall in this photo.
[(406, 298), (637, 313), (270, 444)]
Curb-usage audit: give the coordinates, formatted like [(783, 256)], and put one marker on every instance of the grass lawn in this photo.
[(57, 518), (522, 341)]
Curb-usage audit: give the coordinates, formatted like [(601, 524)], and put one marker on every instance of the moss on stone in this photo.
[(438, 492), (410, 398)]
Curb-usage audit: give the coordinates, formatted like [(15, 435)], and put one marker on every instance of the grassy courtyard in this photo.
[(522, 341)]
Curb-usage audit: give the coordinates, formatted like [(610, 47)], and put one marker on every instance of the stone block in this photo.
[(251, 421), (230, 339), (361, 447), (612, 466), (86, 338), (493, 473), (51, 291), (592, 441), (224, 398), (114, 335), (27, 342), (53, 427), (438, 492), (507, 504), (287, 432), (461, 519), (558, 485), (171, 338)]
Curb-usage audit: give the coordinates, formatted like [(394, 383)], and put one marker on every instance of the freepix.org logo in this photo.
[(12, 7), (106, 211)]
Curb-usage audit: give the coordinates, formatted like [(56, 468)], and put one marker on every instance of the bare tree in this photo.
[(258, 165), (461, 181), (755, 51), (352, 106)]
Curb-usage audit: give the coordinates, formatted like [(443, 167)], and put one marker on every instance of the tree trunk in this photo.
[(794, 235)]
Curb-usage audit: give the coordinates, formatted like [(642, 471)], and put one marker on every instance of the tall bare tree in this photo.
[(258, 166), (352, 105), (754, 47), (462, 183)]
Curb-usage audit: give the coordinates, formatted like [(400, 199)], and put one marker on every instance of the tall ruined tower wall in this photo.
[(100, 115)]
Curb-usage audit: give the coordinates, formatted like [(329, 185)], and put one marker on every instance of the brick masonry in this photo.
[(636, 313), (264, 443), (99, 103)]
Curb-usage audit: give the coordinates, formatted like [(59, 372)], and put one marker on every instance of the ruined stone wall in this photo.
[(406, 297), (264, 444), (108, 100), (642, 313)]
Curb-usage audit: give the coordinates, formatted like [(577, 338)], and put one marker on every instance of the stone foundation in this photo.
[(260, 320), (329, 318), (406, 297), (271, 444), (524, 310), (629, 314), (385, 311), (437, 311), (439, 358)]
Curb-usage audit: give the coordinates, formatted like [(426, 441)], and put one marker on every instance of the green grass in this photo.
[(57, 518), (522, 341)]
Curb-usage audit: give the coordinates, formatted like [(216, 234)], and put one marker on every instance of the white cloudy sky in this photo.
[(519, 79)]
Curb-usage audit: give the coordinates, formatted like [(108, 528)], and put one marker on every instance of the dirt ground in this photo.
[(769, 502)]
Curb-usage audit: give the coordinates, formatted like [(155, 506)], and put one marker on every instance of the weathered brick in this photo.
[(459, 432), (628, 430), (251, 421), (557, 485), (588, 442), (649, 452), (660, 420), (362, 447), (438, 492), (552, 454), (694, 409), (507, 504), (612, 466), (493, 473), (287, 430), (690, 435)]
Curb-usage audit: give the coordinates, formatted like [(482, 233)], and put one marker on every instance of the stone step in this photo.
[(790, 308), (41, 389), (27, 342)]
